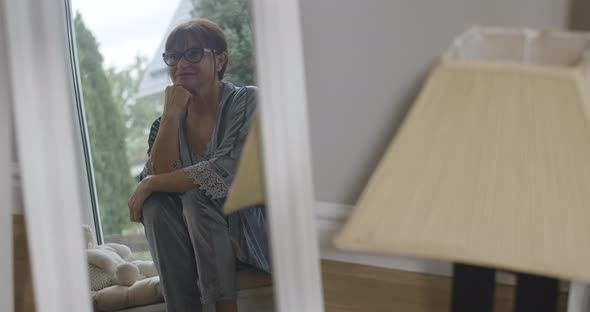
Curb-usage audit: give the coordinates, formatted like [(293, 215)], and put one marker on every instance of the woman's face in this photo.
[(193, 76)]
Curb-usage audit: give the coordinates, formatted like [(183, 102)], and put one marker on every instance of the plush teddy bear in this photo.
[(110, 264), (116, 281)]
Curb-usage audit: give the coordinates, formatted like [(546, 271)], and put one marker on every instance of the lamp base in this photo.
[(474, 287)]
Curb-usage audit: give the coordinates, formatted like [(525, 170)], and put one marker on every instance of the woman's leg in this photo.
[(171, 249), (248, 230), (213, 251)]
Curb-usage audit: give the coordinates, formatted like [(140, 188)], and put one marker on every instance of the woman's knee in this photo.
[(157, 207)]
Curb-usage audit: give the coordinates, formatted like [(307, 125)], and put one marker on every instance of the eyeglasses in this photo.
[(192, 55)]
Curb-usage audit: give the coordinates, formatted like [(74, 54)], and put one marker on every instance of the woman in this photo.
[(193, 152)]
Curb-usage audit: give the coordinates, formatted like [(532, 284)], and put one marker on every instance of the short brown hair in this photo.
[(203, 31)]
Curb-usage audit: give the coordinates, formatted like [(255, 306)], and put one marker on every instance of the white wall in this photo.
[(365, 61)]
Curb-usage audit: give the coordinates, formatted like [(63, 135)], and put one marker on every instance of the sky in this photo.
[(124, 28)]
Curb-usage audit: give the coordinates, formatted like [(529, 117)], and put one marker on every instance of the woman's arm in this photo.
[(214, 175), (178, 181), (165, 150), (171, 182)]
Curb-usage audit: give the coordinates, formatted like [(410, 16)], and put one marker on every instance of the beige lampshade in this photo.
[(247, 189), (491, 167)]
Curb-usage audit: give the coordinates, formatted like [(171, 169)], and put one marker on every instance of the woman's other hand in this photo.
[(176, 100), (141, 193)]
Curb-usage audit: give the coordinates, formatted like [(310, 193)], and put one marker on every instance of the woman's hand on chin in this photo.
[(176, 100)]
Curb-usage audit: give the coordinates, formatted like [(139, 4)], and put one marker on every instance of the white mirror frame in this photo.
[(6, 174), (43, 111), (43, 104), (286, 155)]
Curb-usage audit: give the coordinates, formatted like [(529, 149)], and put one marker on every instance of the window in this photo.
[(122, 81), (120, 101)]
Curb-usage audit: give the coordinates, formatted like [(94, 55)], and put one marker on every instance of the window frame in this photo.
[(89, 209)]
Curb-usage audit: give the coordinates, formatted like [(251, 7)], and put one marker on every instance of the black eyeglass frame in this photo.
[(181, 55)]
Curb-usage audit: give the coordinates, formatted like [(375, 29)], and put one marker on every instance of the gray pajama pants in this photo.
[(191, 246)]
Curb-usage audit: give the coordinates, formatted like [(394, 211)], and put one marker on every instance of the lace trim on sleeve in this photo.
[(208, 179)]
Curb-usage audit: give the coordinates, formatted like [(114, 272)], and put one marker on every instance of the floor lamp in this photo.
[(491, 166)]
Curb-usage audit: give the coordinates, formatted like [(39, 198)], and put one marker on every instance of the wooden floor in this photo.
[(355, 287), (23, 282), (347, 287)]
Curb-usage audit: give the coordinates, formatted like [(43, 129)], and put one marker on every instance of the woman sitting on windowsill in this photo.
[(193, 150)]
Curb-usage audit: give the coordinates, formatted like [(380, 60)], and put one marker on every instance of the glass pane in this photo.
[(122, 84), (123, 78)]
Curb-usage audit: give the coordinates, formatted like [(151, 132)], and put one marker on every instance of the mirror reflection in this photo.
[(168, 107)]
